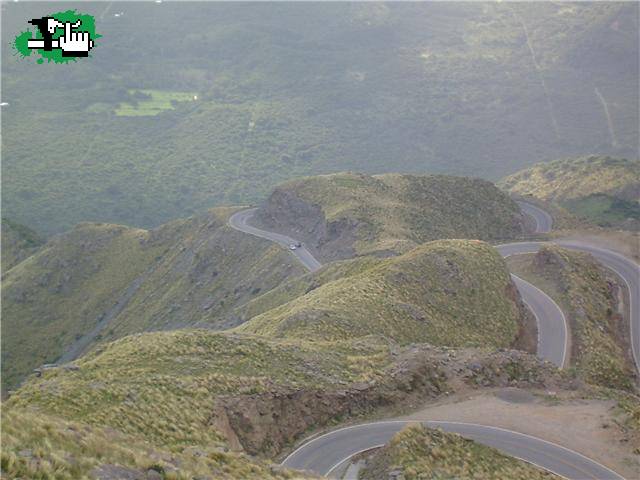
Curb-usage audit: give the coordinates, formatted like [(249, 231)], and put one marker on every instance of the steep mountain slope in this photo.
[(54, 297), (589, 296), (100, 282), (448, 292), (349, 340), (462, 88), (348, 214), (44, 446), (603, 190), (418, 452), (162, 386), (18, 242), (197, 393)]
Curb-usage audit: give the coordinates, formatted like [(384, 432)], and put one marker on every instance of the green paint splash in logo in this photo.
[(88, 25)]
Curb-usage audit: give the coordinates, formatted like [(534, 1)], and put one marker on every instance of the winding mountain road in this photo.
[(623, 267), (552, 326), (543, 220), (239, 221), (324, 454)]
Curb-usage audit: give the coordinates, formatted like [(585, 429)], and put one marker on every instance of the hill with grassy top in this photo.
[(448, 292), (161, 386), (417, 452), (602, 190), (44, 446), (18, 242), (199, 396), (100, 282), (186, 401), (589, 295), (347, 214)]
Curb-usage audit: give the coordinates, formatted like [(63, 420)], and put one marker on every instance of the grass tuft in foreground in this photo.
[(418, 453)]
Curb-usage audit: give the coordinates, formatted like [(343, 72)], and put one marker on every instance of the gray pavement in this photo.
[(327, 453), (239, 221), (544, 221), (629, 272)]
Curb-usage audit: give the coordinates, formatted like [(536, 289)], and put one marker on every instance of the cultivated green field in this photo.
[(152, 102), (301, 90)]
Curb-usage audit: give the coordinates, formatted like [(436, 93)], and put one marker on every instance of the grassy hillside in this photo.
[(600, 347), (299, 286), (169, 397), (101, 281), (18, 242), (161, 386), (478, 89), (418, 452), (54, 297), (186, 392), (449, 292), (44, 446), (348, 214), (603, 190)]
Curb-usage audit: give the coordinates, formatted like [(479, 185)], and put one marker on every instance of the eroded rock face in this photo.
[(268, 422), (527, 337), (286, 212)]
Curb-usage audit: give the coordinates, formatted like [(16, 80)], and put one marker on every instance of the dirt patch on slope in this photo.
[(589, 427)]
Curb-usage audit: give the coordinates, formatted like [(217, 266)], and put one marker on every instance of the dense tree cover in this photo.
[(289, 89)]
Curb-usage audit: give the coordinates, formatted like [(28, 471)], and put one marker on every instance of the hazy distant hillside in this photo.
[(603, 190), (347, 214), (267, 92), (18, 242), (102, 281)]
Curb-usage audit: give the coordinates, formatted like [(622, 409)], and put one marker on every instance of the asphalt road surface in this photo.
[(553, 331), (624, 267), (543, 220), (325, 454), (239, 221)]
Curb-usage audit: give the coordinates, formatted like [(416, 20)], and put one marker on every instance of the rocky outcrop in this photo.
[(527, 337), (268, 422), (287, 213)]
